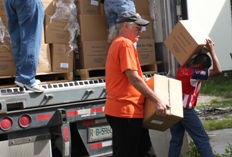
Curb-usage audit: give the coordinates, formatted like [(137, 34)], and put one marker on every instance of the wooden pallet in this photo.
[(8, 81), (83, 74), (95, 73), (150, 68)]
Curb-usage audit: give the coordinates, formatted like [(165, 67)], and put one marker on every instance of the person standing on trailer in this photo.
[(25, 23)]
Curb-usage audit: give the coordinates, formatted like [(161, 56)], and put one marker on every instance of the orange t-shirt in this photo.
[(123, 100)]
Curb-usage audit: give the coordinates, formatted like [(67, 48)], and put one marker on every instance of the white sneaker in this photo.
[(19, 84), (35, 88), (22, 85)]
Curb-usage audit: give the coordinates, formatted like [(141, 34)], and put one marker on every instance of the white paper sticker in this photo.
[(156, 122), (64, 65), (144, 28), (94, 2)]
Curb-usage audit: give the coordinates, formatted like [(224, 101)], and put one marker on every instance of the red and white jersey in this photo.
[(191, 83)]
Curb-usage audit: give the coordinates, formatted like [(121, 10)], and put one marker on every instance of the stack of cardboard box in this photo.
[(146, 43), (7, 67), (92, 42), (57, 36)]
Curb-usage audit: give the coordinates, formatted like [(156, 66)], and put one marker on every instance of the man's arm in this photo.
[(216, 65), (142, 87)]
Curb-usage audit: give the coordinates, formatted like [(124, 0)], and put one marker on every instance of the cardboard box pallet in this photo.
[(170, 91)]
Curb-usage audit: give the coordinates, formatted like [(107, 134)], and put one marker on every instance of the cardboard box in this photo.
[(62, 59), (187, 38), (102, 9), (55, 32), (49, 7), (89, 7), (44, 65), (4, 20), (93, 27), (142, 8), (147, 30), (170, 91), (2, 9), (146, 51), (5, 37), (92, 54), (7, 67)]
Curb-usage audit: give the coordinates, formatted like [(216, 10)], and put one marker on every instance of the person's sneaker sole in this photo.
[(19, 84), (22, 85), (35, 89)]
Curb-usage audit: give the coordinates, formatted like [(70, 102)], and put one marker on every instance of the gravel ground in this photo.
[(219, 139), (205, 98)]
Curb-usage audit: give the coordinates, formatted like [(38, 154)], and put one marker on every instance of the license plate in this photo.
[(99, 133)]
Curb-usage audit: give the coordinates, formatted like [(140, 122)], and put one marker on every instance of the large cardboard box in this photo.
[(170, 91), (187, 38), (44, 65), (7, 67), (93, 27), (89, 7), (4, 20), (102, 9), (62, 58), (146, 51), (147, 30), (142, 7), (2, 9), (49, 7), (92, 54), (55, 32)]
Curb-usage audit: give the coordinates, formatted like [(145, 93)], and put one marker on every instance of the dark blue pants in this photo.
[(192, 124), (129, 138)]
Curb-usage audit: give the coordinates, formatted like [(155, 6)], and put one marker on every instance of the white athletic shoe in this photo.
[(35, 87)]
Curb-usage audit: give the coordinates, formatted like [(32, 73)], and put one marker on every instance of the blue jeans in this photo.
[(113, 8), (25, 22), (192, 124)]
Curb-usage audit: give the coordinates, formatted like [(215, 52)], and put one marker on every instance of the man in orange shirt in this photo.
[(126, 89)]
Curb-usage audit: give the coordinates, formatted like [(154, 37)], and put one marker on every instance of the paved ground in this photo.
[(220, 139)]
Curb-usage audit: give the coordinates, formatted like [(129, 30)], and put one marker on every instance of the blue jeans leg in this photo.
[(113, 8), (25, 22), (192, 124), (197, 132), (177, 132)]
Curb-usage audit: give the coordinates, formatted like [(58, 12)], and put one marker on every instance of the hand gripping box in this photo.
[(187, 38), (170, 91)]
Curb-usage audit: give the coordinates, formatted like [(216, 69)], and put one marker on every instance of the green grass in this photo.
[(220, 102), (210, 125), (220, 85)]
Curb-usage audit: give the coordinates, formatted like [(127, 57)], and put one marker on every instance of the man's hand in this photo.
[(161, 108)]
